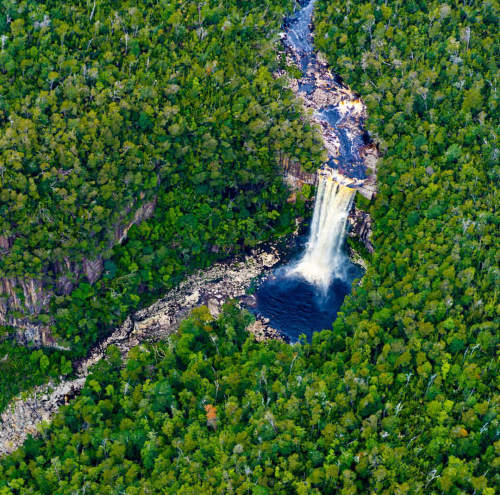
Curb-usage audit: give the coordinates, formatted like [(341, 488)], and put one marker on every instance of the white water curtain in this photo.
[(324, 259)]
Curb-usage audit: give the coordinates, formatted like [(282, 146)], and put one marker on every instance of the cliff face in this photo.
[(361, 227), (22, 299), (295, 177)]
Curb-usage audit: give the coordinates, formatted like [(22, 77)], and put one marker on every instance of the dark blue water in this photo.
[(299, 41), (296, 307), (298, 29)]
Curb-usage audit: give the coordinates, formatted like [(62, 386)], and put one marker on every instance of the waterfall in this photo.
[(324, 259)]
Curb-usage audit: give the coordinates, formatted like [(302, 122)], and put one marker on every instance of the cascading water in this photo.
[(324, 258), (304, 296)]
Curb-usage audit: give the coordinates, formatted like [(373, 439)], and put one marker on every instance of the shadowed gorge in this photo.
[(137, 145), (399, 393)]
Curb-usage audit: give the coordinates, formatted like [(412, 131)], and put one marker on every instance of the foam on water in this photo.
[(296, 307)]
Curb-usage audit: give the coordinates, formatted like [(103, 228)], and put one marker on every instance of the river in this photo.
[(304, 294)]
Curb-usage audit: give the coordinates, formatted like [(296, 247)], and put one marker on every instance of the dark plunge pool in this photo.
[(295, 306)]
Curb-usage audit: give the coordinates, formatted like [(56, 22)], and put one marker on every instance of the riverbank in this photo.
[(212, 287)]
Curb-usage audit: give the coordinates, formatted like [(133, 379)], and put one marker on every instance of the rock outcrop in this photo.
[(23, 416), (295, 177), (22, 299), (361, 227), (211, 287), (261, 330)]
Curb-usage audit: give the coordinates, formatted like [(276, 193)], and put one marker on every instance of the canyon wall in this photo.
[(23, 299)]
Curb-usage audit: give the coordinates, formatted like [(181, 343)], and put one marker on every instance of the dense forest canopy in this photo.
[(212, 411), (402, 394), (104, 107), (110, 106)]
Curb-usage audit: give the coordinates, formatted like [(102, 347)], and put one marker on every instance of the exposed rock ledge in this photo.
[(361, 224), (212, 287), (29, 297)]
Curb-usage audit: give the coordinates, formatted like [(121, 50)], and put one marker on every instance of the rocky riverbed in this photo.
[(211, 287), (337, 110)]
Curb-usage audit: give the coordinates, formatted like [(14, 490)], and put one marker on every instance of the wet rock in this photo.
[(249, 301), (323, 98), (261, 330), (339, 112)]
